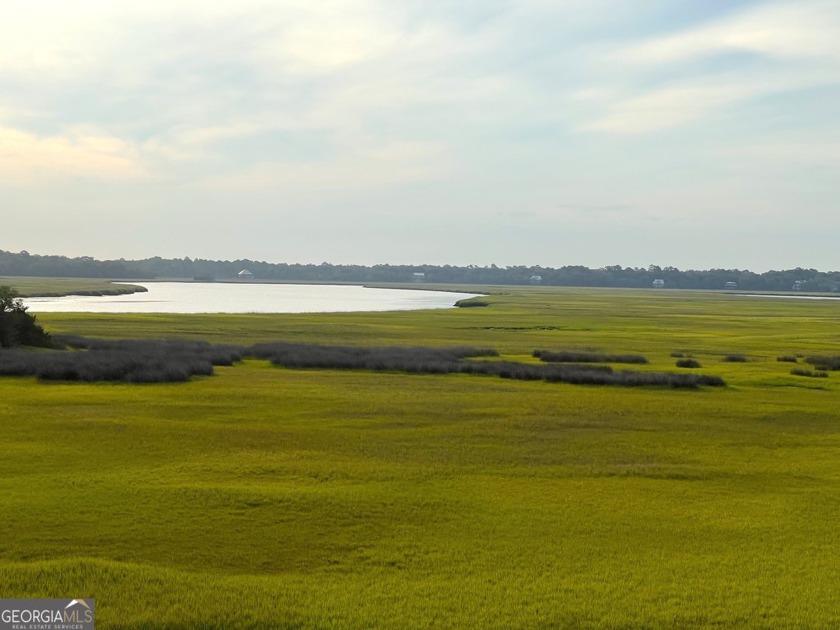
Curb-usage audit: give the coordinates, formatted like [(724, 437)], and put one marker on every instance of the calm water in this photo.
[(791, 297), (217, 297)]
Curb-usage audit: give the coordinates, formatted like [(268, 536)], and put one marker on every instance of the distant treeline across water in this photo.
[(25, 264)]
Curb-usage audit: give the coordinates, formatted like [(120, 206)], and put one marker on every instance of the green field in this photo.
[(33, 286), (264, 497)]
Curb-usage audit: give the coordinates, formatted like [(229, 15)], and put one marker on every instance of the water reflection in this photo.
[(217, 297)]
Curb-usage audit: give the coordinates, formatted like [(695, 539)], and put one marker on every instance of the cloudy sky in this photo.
[(692, 133)]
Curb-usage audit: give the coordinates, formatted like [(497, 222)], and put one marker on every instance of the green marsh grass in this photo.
[(265, 497), (34, 286)]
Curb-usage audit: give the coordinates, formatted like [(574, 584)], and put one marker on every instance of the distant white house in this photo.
[(418, 277), (730, 285), (245, 275), (659, 283), (535, 279), (797, 285)]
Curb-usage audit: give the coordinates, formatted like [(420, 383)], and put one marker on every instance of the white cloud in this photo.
[(800, 40), (54, 37), (342, 105), (59, 37), (328, 67), (665, 108), (813, 152), (191, 143), (365, 169), (308, 37), (27, 159), (691, 100), (779, 30)]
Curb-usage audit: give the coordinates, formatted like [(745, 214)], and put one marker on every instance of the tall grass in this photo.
[(453, 361), (321, 498), (152, 361), (812, 374), (400, 358), (134, 361), (824, 362), (688, 363), (567, 356)]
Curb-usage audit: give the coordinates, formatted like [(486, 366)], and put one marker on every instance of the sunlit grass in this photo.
[(277, 498), (31, 286)]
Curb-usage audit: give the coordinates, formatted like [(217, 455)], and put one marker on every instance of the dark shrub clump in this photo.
[(396, 358), (126, 360), (456, 361), (735, 358), (688, 363), (787, 358), (824, 362), (586, 357), (814, 374), (137, 361)]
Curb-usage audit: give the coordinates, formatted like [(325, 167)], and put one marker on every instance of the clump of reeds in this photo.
[(825, 363), (809, 373), (154, 361), (572, 356), (456, 361), (735, 358), (688, 363), (134, 361)]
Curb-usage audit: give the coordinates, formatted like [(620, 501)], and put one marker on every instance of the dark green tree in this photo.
[(17, 326)]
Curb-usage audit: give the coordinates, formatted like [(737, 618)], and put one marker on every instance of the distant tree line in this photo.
[(25, 264)]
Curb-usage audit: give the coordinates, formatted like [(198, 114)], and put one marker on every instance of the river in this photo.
[(242, 297)]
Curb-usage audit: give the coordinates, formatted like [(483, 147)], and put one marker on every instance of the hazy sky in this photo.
[(693, 133)]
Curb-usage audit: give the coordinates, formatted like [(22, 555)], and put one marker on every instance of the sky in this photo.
[(695, 133)]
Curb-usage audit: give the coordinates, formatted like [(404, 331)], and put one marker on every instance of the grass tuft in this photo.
[(824, 362), (566, 356), (688, 363), (809, 373), (131, 361)]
